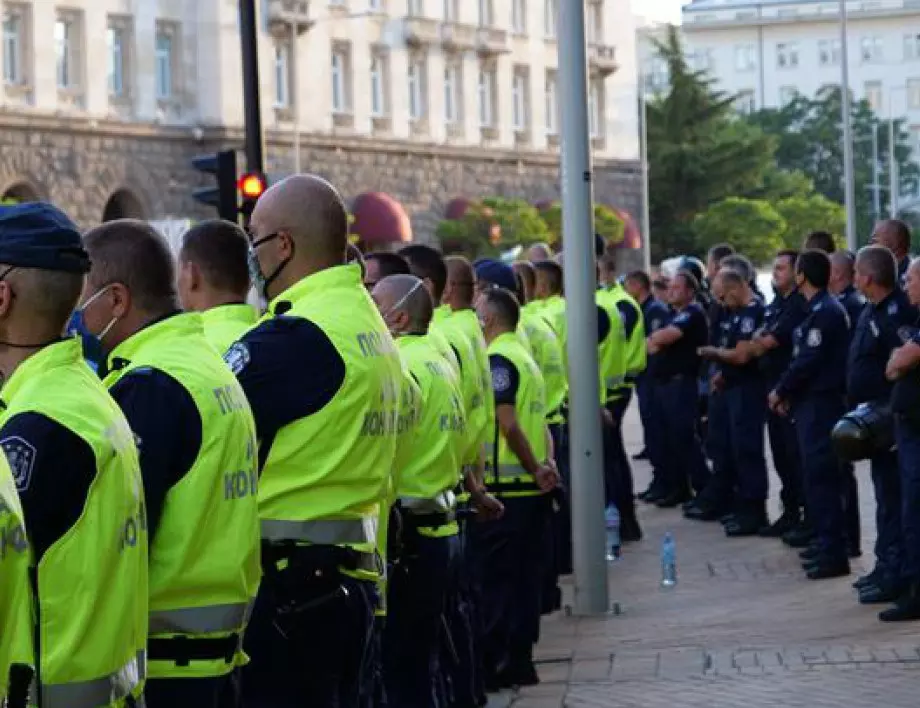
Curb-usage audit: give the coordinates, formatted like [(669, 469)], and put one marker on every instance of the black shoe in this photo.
[(523, 675), (799, 537), (704, 512), (674, 499), (853, 551), (653, 495), (871, 578), (783, 524), (744, 525), (630, 531), (826, 568), (908, 607), (880, 594), (642, 455), (810, 554)]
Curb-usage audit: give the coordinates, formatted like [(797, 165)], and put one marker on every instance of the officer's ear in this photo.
[(285, 244), (121, 299)]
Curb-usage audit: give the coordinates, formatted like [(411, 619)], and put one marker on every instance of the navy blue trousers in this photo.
[(217, 692), (889, 549), (683, 463), (747, 411), (908, 440), (721, 488), (787, 459)]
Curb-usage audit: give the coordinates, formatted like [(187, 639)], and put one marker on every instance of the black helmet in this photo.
[(693, 265), (864, 432)]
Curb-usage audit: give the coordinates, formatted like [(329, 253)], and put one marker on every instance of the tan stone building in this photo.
[(106, 101)]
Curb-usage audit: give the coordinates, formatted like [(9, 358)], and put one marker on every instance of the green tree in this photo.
[(752, 226), (814, 212), (607, 223), (518, 220), (491, 226), (699, 152)]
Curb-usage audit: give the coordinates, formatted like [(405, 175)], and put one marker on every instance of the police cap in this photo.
[(39, 235), (499, 274)]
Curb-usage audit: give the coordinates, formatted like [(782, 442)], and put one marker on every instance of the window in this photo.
[(340, 82), (519, 16), (787, 95), (12, 47), (485, 13), (452, 86), (744, 103), (873, 94), (375, 5), (787, 55), (117, 41), (701, 60), (549, 18), (745, 57), (912, 46), (282, 74), (417, 8), (657, 77), (870, 50), (487, 97), (913, 93), (417, 89), (520, 108), (829, 52), (164, 59), (596, 109), (450, 10), (594, 23), (379, 83), (67, 51), (552, 104)]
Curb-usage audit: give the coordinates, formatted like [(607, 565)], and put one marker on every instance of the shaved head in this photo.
[(460, 281), (527, 275), (894, 235), (47, 297), (398, 295), (310, 209)]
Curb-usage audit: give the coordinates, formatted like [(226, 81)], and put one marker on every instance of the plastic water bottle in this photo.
[(668, 562), (612, 523)]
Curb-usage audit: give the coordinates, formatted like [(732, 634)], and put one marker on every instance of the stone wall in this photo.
[(80, 165)]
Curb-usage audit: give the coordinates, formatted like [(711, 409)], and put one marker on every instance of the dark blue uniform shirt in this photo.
[(681, 358), (905, 397), (741, 324), (167, 428), (655, 315), (630, 316), (289, 370), (853, 303), (819, 353), (781, 318), (877, 333), (505, 380), (902, 271)]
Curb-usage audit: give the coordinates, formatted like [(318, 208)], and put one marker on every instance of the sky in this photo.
[(659, 10)]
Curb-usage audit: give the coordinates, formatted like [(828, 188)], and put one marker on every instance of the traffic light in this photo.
[(251, 186), (223, 196)]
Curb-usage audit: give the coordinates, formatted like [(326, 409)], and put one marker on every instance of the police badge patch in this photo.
[(21, 456), (814, 338), (501, 380), (747, 325), (237, 357), (893, 307)]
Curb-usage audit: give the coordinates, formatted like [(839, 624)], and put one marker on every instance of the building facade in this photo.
[(106, 101), (767, 52)]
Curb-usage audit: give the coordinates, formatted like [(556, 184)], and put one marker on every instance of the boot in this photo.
[(799, 537), (826, 567), (674, 499), (748, 521), (908, 607), (788, 521)]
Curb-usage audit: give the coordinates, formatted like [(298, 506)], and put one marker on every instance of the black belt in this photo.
[(184, 650), (426, 521), (319, 556), (499, 488)]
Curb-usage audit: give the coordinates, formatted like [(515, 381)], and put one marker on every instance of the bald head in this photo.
[(539, 252), (405, 303), (876, 272), (311, 211), (842, 263), (527, 277), (894, 235), (458, 292)]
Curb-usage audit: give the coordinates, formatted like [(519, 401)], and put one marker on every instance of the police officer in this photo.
[(214, 280), (744, 389), (548, 291), (522, 472), (676, 369), (655, 315), (895, 235), (197, 445), (876, 336), (324, 378), (418, 585), (382, 264), (812, 388), (904, 369), (17, 654), (841, 286), (76, 469), (772, 345)]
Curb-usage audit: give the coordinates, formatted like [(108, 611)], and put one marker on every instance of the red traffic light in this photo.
[(251, 186)]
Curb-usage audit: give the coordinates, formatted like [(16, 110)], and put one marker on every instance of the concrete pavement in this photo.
[(743, 628)]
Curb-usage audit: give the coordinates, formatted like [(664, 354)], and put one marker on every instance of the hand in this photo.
[(709, 353), (488, 508), (717, 382), (777, 404), (896, 363), (547, 476)]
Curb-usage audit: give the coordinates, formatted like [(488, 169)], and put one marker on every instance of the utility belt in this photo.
[(184, 650), (278, 556)]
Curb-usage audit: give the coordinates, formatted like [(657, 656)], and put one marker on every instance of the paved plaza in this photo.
[(743, 629)]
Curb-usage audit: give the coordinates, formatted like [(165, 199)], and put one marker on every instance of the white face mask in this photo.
[(398, 304), (81, 322)]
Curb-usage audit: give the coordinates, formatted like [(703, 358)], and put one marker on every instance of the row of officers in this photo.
[(352, 500), (831, 369)]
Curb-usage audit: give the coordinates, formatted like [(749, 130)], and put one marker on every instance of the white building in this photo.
[(766, 52)]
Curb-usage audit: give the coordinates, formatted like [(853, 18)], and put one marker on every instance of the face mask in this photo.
[(259, 279), (399, 303), (78, 323)]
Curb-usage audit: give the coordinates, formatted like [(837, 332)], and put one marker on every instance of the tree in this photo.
[(809, 132), (518, 220), (814, 212), (492, 225), (607, 223), (699, 152), (752, 226)]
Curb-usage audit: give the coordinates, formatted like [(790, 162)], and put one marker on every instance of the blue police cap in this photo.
[(39, 235), (491, 271)]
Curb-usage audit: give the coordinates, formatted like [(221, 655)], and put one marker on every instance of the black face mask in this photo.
[(259, 279)]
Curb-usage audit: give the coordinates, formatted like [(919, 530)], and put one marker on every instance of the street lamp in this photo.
[(848, 182)]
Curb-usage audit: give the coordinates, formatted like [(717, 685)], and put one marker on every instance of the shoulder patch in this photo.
[(237, 357), (814, 337), (655, 324), (893, 307), (21, 455), (747, 325), (501, 379), (681, 317)]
